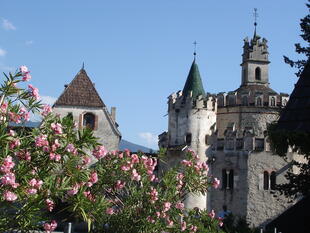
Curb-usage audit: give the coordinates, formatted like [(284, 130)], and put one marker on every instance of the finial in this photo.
[(255, 20), (83, 66), (195, 45)]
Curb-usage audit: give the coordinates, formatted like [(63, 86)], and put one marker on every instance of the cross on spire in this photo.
[(195, 46), (255, 14)]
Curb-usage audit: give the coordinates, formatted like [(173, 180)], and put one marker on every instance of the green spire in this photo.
[(193, 83)]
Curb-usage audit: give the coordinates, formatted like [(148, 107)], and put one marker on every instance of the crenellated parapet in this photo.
[(178, 101), (257, 96)]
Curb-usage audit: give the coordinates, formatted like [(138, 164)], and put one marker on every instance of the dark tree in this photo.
[(293, 127), (299, 48)]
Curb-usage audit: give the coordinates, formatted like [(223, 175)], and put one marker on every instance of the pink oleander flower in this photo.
[(193, 228), (183, 226), (135, 175), (70, 148), (212, 214), (32, 191), (12, 133), (3, 107), (187, 163), (167, 206), (179, 205), (74, 190), (100, 152), (56, 157), (125, 168), (169, 222), (41, 141), (34, 91), (57, 128), (134, 158), (55, 146), (9, 179), (216, 183), (46, 110), (9, 196), (153, 195), (35, 183), (152, 177), (49, 227), (23, 155), (86, 160), (110, 211), (14, 117), (26, 77), (14, 143), (23, 69), (7, 165), (92, 179), (49, 204), (120, 184), (150, 219), (24, 114)]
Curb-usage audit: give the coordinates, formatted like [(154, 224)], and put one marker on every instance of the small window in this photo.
[(231, 179), (188, 139), (266, 180), (259, 101), (245, 101), (273, 101), (257, 73), (227, 179), (206, 139), (273, 180), (89, 120)]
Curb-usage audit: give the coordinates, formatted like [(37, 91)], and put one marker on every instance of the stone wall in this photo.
[(105, 131)]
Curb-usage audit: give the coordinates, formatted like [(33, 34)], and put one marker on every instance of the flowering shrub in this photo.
[(46, 177)]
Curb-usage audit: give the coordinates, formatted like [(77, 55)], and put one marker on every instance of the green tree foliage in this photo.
[(299, 48), (47, 177)]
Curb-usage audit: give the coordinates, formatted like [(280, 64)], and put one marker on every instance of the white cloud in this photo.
[(6, 68), (151, 139), (7, 25), (29, 42), (48, 99), (2, 52)]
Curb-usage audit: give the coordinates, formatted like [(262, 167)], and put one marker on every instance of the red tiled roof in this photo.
[(80, 92)]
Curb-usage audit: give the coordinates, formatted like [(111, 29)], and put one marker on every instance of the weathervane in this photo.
[(195, 45)]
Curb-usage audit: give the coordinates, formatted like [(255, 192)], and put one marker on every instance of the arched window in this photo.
[(266, 180), (284, 102), (259, 101), (228, 179), (89, 120), (273, 101), (245, 101), (188, 139), (257, 73), (273, 180)]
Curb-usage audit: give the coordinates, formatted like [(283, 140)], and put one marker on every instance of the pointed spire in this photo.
[(193, 86), (255, 22), (83, 66)]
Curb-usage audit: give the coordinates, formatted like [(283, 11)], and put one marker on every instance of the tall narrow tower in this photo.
[(192, 115)]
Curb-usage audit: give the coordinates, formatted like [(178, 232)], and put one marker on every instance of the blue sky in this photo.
[(138, 52)]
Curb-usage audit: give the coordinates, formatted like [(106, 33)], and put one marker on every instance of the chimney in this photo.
[(113, 113)]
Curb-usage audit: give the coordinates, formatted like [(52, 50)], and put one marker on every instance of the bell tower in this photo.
[(255, 60)]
